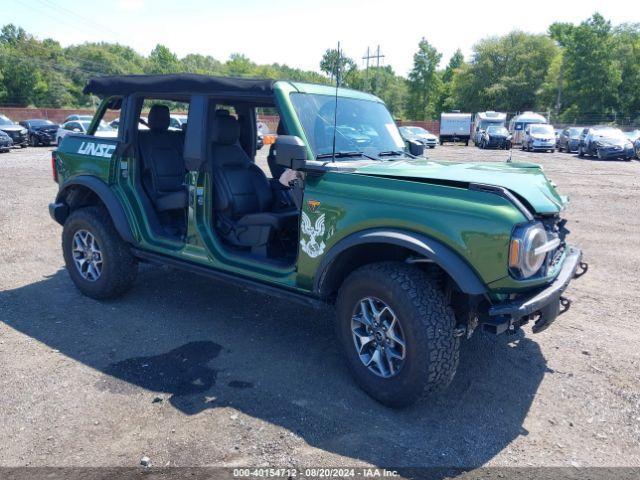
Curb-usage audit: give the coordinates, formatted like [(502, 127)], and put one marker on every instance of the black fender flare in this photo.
[(456, 267), (107, 197)]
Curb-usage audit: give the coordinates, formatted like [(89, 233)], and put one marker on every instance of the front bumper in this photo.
[(540, 145), (615, 152), (545, 304), (46, 136), (498, 142)]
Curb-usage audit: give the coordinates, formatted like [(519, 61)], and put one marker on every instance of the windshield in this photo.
[(37, 123), (497, 130), (612, 133), (486, 124), (574, 132), (5, 121), (543, 129), (363, 126), (418, 130)]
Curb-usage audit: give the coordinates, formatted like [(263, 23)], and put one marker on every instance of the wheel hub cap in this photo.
[(87, 255), (378, 337)]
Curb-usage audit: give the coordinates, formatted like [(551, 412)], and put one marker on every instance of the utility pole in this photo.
[(369, 56)]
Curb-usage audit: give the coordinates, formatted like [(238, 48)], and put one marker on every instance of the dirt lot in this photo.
[(189, 372)]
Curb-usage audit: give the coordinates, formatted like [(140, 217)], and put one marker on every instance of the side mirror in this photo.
[(416, 148), (291, 152), (76, 130)]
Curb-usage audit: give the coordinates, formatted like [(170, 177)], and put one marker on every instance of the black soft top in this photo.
[(175, 83)]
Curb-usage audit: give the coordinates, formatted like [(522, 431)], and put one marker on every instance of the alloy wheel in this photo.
[(87, 255), (378, 337)]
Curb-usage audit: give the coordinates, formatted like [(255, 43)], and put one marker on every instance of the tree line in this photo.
[(584, 73)]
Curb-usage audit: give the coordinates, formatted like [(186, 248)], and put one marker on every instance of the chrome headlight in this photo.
[(528, 249)]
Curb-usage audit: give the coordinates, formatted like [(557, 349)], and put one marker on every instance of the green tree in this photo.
[(445, 101), (424, 82), (333, 61), (239, 65), (627, 53), (593, 75), (505, 73), (206, 65), (162, 60)]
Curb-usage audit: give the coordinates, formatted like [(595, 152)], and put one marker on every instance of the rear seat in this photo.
[(162, 161)]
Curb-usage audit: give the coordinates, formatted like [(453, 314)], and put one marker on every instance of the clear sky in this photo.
[(298, 32)]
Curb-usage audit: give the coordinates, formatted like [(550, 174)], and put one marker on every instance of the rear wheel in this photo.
[(99, 262), (396, 329)]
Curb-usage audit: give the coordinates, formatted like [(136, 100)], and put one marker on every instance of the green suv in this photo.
[(414, 254)]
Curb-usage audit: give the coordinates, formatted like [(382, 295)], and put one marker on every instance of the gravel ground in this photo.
[(251, 380)]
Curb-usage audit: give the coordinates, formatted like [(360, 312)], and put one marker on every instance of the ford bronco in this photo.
[(414, 254)]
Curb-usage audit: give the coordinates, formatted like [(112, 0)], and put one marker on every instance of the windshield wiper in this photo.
[(395, 153), (345, 155)]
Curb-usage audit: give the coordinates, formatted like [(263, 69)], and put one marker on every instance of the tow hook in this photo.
[(565, 304), (584, 266)]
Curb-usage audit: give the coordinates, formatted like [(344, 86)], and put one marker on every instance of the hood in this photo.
[(543, 136), (12, 128), (427, 136), (45, 127), (614, 141), (526, 180)]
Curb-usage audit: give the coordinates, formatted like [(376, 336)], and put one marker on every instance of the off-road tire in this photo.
[(119, 266), (427, 320)]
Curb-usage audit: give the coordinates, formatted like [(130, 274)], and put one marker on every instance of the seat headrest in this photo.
[(159, 117), (226, 130)]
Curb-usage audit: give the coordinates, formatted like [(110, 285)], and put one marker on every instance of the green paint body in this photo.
[(420, 196)]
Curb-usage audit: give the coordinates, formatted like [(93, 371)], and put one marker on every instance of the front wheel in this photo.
[(99, 262), (396, 330)]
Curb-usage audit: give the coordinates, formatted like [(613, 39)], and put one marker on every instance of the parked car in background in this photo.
[(605, 143), (17, 132), (518, 124), (539, 136), (177, 121), (483, 120), (455, 127), (569, 139), (40, 131), (633, 135), (142, 126), (419, 134), (81, 126), (636, 148), (5, 142), (495, 136), (78, 117)]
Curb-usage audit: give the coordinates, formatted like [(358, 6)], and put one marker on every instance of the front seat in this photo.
[(163, 164), (244, 201)]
